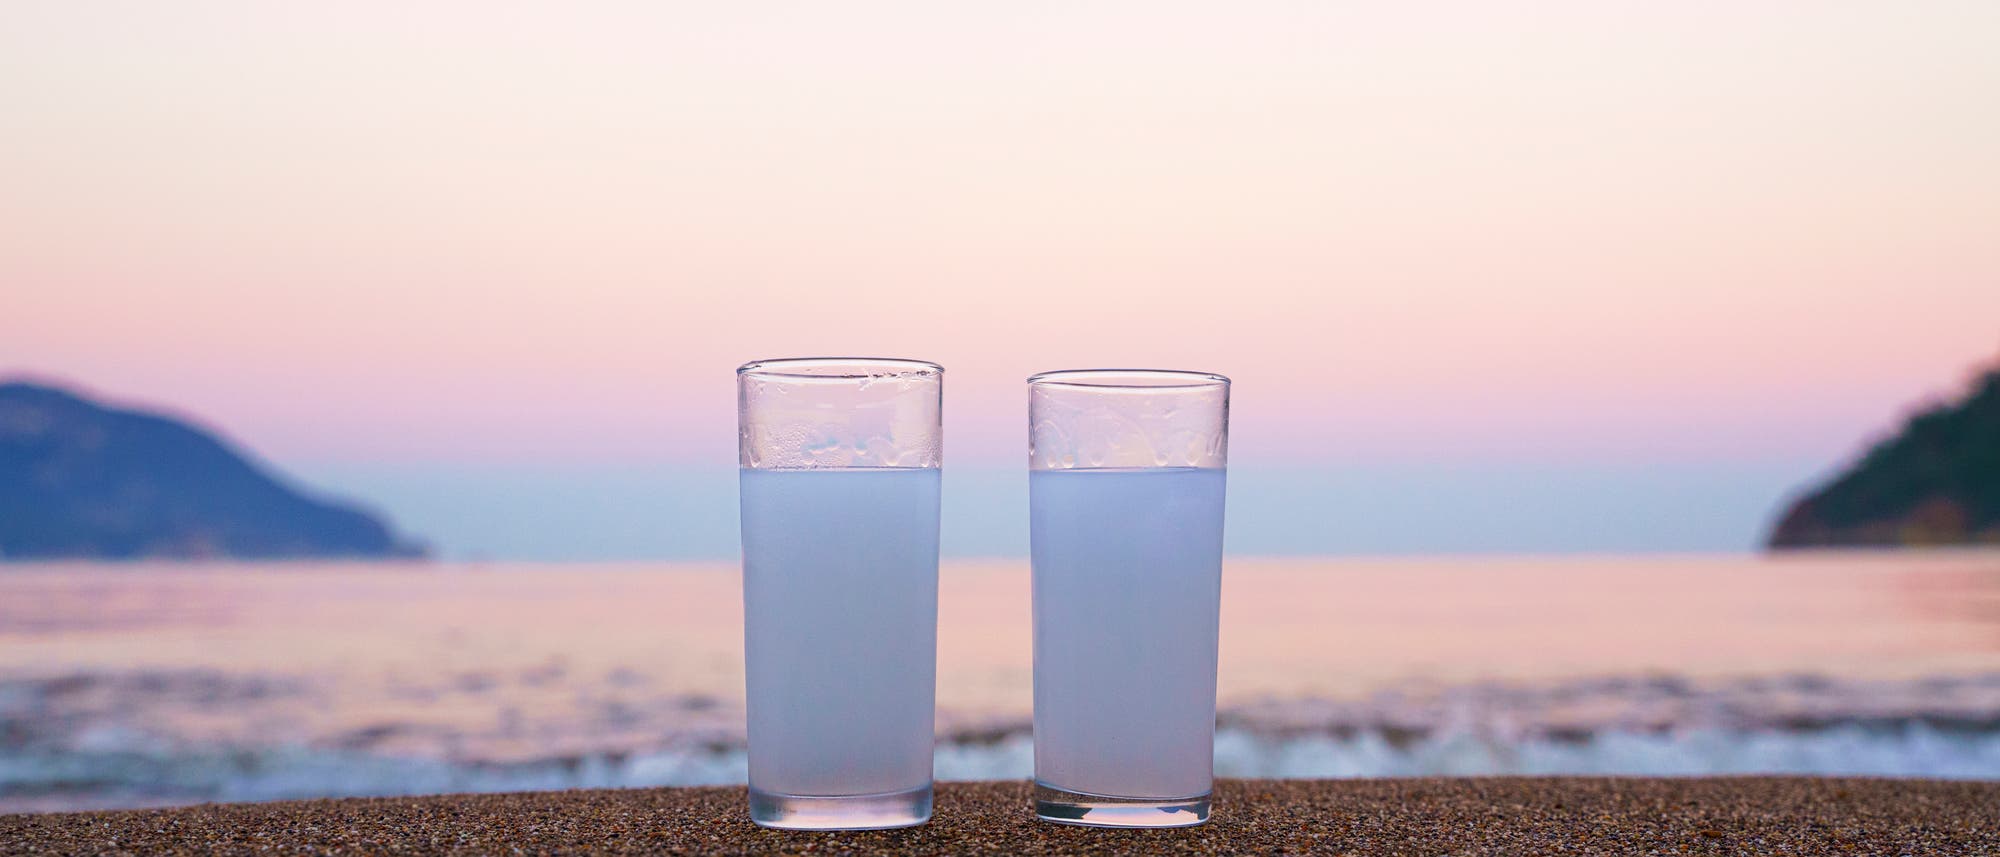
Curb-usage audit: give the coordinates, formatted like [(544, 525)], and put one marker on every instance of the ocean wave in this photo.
[(57, 758)]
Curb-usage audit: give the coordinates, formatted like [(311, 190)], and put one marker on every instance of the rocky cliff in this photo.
[(79, 480), (1937, 481)]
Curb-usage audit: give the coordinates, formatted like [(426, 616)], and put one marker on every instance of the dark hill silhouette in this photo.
[(1935, 482), (82, 481)]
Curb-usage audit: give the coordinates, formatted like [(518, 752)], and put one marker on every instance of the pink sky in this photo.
[(362, 232)]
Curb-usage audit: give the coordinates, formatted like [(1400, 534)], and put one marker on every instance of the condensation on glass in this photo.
[(826, 412), (1085, 418)]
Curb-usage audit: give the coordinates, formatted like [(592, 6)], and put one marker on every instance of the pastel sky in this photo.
[(445, 234)]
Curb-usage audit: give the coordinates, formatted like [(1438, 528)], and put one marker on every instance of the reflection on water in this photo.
[(146, 684)]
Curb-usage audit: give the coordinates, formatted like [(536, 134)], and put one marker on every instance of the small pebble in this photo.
[(1781, 815)]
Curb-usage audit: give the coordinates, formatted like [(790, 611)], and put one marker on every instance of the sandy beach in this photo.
[(1426, 816)]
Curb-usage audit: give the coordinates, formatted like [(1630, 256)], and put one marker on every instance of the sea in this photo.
[(163, 684)]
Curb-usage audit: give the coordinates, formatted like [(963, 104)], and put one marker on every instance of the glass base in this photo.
[(843, 812), (1088, 810)]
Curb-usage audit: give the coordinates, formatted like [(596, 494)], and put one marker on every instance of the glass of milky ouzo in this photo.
[(840, 463), (1126, 474)]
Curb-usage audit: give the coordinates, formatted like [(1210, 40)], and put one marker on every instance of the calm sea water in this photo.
[(152, 684)]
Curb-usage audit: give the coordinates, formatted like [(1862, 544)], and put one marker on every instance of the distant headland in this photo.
[(1936, 482), (80, 480)]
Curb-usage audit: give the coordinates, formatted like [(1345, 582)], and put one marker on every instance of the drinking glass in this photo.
[(840, 466), (1126, 473)]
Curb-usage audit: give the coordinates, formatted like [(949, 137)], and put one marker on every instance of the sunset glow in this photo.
[(461, 232)]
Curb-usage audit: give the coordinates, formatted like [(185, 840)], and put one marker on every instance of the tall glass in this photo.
[(1125, 515), (840, 469)]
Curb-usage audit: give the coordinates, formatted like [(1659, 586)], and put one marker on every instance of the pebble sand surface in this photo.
[(1428, 816)]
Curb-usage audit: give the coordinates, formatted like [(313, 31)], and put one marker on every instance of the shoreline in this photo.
[(1470, 815)]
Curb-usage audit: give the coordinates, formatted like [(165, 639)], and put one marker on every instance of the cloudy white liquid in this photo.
[(840, 628), (1127, 583)]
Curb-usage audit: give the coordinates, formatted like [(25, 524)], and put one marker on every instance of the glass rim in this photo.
[(839, 368), (1130, 379)]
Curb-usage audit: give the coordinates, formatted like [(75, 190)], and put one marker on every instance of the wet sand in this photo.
[(1431, 816)]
